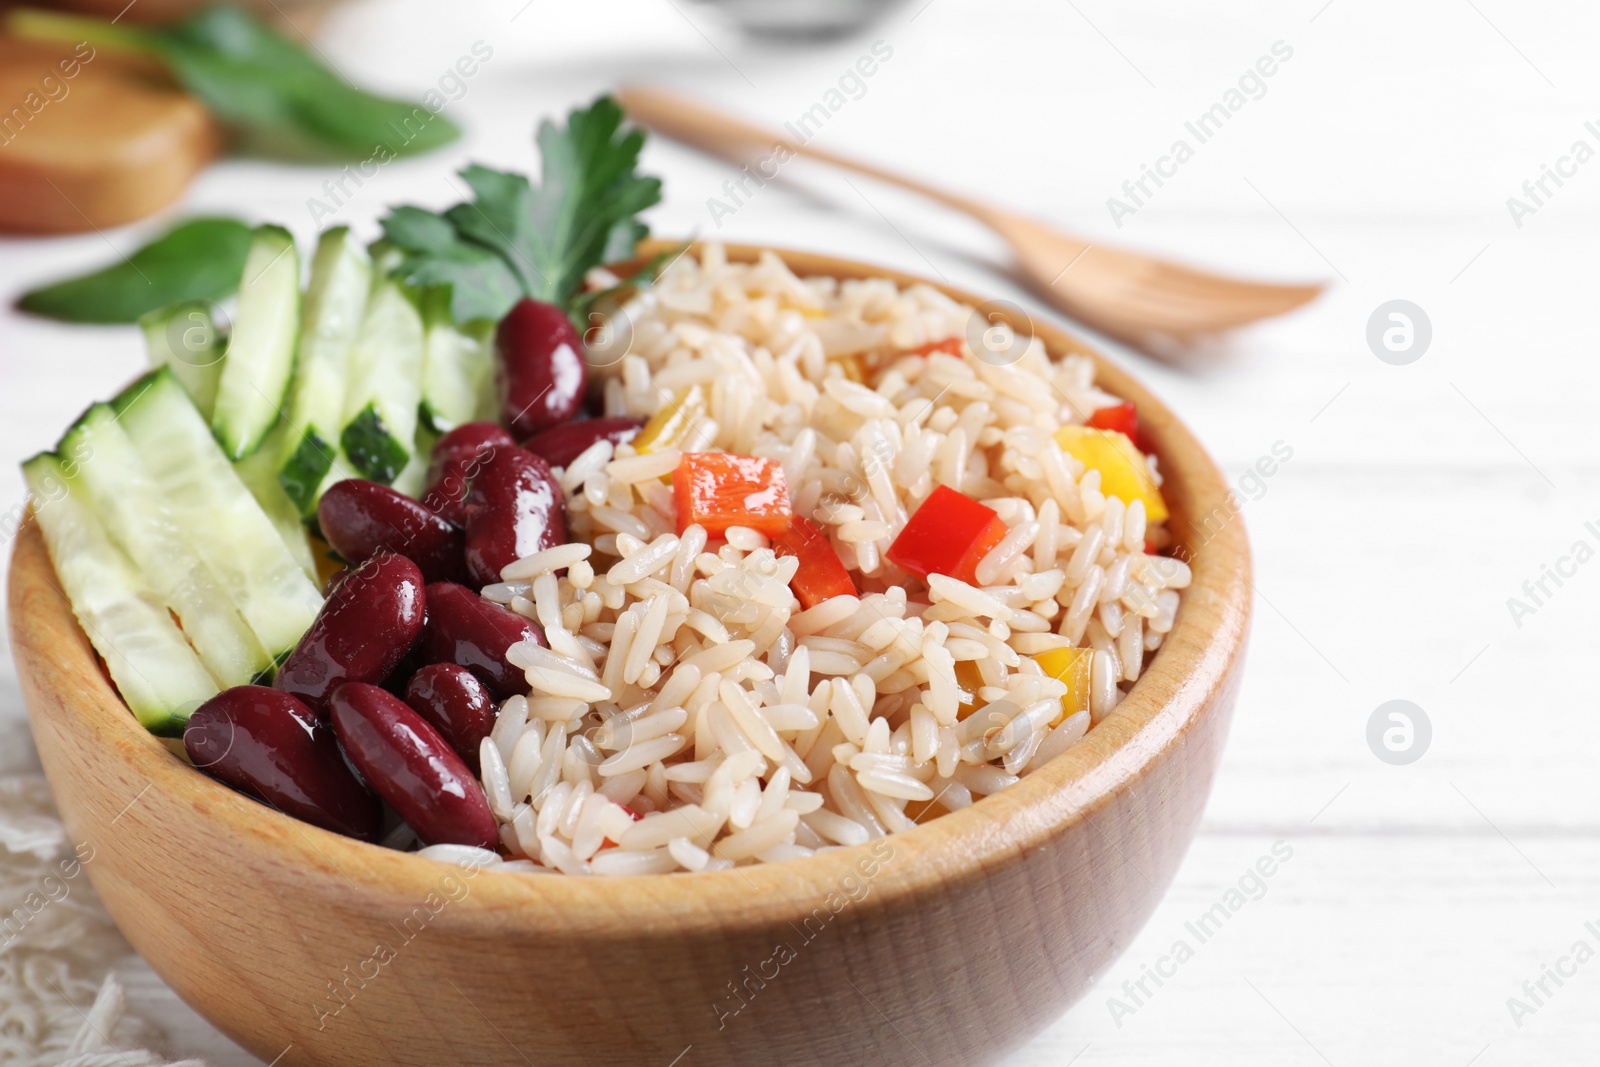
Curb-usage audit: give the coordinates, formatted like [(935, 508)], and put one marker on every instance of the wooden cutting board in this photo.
[(301, 15), (92, 141)]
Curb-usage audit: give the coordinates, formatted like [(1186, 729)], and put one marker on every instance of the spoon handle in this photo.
[(732, 138)]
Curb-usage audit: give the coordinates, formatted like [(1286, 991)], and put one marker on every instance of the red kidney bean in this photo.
[(456, 704), (456, 458), (542, 373), (560, 445), (466, 441), (514, 509), (465, 629), (412, 767), (370, 621), (400, 677), (360, 519), (270, 746)]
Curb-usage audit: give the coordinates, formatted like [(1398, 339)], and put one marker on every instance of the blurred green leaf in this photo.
[(252, 76), (200, 259), (281, 99)]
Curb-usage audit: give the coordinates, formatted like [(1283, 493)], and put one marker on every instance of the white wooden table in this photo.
[(1419, 498)]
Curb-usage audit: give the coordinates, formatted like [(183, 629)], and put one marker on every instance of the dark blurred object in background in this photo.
[(815, 20)]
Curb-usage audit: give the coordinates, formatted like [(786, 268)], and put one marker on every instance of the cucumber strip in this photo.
[(255, 376), (336, 299), (385, 387), (481, 331), (412, 478), (184, 337), (456, 366), (217, 513), (258, 473), (386, 258), (159, 676), (340, 471), (124, 497)]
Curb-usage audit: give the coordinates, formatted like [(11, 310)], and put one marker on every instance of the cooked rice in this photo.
[(688, 687)]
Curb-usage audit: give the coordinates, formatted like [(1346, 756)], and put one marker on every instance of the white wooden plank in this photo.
[(1385, 584), (1380, 951)]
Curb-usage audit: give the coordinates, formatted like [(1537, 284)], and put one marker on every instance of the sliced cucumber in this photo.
[(255, 376), (216, 511), (158, 674), (385, 386), (457, 367), (414, 476), (341, 471), (184, 337), (124, 497), (386, 258), (488, 404), (259, 474), (341, 277)]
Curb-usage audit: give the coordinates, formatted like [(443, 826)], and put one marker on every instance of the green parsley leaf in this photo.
[(545, 237), (482, 285)]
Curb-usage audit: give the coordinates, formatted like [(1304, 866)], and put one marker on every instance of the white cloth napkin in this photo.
[(60, 1005)]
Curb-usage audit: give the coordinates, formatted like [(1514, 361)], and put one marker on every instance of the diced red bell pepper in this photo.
[(949, 346), (821, 575), (1123, 418), (635, 816), (718, 490), (949, 534)]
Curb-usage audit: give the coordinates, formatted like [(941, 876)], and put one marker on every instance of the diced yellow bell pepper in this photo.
[(968, 682), (671, 426), (1123, 471), (1071, 665), (851, 365)]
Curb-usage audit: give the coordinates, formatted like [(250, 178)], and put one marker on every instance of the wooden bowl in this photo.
[(949, 944)]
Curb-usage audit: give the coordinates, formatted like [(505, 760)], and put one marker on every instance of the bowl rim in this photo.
[(1181, 685)]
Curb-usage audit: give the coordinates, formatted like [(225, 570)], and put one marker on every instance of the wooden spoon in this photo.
[(1154, 304), (92, 140)]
